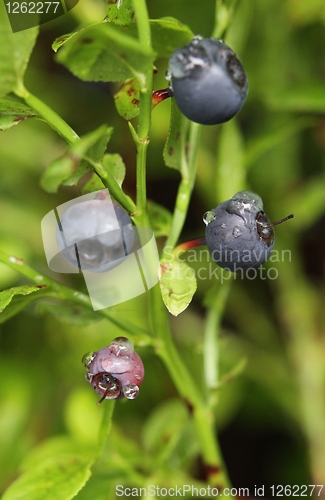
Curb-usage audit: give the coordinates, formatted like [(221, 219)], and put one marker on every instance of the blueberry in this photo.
[(95, 235), (239, 235), (208, 80), (115, 371)]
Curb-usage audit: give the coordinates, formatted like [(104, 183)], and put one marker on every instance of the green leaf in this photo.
[(13, 112), (166, 421), (71, 314), (263, 143), (307, 99), (15, 51), (303, 12), (17, 305), (70, 167), (175, 144), (7, 295), (127, 99), (53, 478), (112, 163), (160, 219), (168, 34), (93, 184), (231, 173), (102, 52), (80, 409), (101, 486), (168, 434), (177, 284), (14, 300), (120, 13)]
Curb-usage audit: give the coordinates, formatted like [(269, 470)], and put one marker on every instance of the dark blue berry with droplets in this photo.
[(208, 81), (239, 235)]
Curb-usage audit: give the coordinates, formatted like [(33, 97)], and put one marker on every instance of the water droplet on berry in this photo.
[(236, 232), (88, 358), (208, 217), (89, 376), (131, 391), (168, 75), (223, 226), (121, 346)]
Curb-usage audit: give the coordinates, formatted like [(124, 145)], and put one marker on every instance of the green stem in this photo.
[(186, 185), (70, 136), (142, 20), (61, 292), (114, 189), (106, 426), (164, 345), (188, 389), (142, 137), (223, 18), (50, 116), (211, 344)]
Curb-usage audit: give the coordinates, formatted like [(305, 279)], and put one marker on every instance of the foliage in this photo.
[(245, 354)]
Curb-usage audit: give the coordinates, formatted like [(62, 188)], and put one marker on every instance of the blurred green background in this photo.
[(271, 418)]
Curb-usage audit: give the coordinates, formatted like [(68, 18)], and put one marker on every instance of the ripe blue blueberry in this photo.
[(208, 81), (239, 235), (115, 371), (95, 235)]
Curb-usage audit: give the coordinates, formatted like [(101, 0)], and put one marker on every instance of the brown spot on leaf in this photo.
[(86, 41), (62, 38), (212, 470), (171, 151), (164, 268), (189, 406), (135, 101)]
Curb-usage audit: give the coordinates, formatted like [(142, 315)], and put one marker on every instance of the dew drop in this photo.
[(223, 226), (236, 232), (89, 376), (208, 217), (168, 75), (121, 346), (15, 260), (131, 391), (196, 38), (88, 358)]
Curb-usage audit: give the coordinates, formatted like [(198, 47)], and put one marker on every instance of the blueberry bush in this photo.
[(234, 388)]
